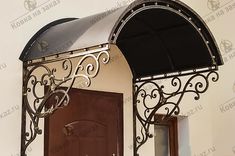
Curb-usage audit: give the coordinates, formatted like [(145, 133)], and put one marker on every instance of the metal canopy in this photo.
[(159, 39), (155, 36)]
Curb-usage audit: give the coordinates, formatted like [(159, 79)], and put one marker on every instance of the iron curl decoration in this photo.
[(149, 100), (56, 90)]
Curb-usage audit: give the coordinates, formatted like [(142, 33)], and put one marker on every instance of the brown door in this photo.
[(91, 125)]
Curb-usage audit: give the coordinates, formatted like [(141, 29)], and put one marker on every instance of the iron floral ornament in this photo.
[(149, 100), (56, 83)]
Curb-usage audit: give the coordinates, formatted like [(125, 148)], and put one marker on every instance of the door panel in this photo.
[(91, 125)]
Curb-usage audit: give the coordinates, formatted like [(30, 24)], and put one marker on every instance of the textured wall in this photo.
[(209, 128)]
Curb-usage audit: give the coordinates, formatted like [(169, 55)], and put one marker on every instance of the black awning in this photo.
[(155, 36)]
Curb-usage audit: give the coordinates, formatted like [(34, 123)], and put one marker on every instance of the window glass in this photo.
[(162, 141)]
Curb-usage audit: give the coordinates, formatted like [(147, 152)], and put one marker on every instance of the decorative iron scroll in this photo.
[(44, 78), (150, 98)]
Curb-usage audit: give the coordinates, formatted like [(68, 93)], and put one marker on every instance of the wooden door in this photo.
[(91, 125)]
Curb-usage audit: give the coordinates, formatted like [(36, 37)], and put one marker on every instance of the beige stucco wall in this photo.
[(209, 128)]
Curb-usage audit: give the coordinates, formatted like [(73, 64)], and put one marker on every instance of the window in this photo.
[(166, 136)]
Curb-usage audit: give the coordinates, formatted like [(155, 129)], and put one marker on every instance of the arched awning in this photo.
[(158, 39), (155, 36)]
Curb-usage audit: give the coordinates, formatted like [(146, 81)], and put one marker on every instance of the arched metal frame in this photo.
[(183, 82), (176, 7), (191, 81)]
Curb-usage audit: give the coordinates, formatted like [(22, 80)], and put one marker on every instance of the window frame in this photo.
[(172, 124)]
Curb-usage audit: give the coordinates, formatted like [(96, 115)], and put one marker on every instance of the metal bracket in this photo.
[(150, 98), (42, 77)]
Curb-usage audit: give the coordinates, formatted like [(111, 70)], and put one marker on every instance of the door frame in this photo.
[(120, 140)]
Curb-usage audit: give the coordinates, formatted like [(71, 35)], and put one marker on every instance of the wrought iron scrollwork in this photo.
[(150, 98), (45, 82)]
